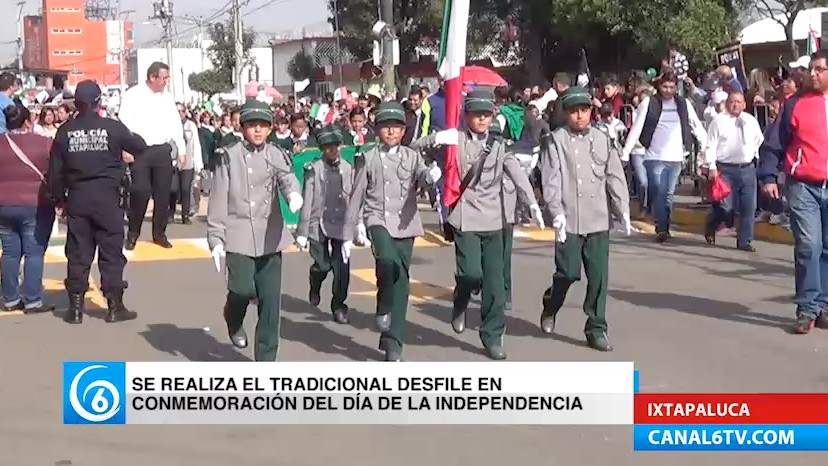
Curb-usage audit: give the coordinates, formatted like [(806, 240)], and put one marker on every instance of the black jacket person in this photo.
[(85, 175)]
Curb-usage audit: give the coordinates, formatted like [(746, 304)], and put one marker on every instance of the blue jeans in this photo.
[(808, 205), (641, 183), (662, 178), (24, 233), (741, 201)]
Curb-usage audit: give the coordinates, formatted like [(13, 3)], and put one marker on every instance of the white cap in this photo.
[(803, 62), (719, 97)]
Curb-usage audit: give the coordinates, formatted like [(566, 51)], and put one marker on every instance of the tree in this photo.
[(222, 54), (209, 82), (300, 66), (784, 12)]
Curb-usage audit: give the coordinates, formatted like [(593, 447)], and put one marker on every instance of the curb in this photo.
[(694, 220)]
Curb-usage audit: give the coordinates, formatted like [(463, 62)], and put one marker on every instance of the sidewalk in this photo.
[(689, 215)]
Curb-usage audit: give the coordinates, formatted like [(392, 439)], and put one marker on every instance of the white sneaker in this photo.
[(776, 219)]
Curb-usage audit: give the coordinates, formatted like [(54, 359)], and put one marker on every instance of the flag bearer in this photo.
[(387, 180), (477, 219), (327, 189), (245, 224), (582, 179)]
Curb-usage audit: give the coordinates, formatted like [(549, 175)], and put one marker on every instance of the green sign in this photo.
[(299, 160)]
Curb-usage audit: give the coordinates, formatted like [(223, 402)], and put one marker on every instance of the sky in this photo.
[(265, 16)]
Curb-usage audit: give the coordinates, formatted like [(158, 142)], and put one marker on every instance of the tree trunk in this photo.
[(791, 41)]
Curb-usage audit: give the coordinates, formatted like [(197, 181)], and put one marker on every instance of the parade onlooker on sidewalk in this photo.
[(799, 141), (665, 124), (185, 173), (7, 88), (733, 145), (26, 213)]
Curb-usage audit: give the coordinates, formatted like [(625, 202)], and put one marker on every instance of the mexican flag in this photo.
[(813, 41), (452, 59)]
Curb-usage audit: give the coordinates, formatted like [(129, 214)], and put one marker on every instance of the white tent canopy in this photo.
[(768, 30)]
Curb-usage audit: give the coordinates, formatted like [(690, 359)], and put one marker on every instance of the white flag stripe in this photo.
[(455, 57)]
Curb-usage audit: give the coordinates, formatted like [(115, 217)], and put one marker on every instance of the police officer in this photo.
[(86, 170)]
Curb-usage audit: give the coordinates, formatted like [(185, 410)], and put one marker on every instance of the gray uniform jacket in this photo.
[(582, 179), (510, 199), (481, 207), (244, 213), (387, 182), (327, 190)]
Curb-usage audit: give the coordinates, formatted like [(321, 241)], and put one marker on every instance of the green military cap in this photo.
[(329, 134), (576, 97), (390, 113), (480, 101), (254, 110)]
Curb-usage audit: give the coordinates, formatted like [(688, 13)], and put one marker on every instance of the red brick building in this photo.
[(63, 38)]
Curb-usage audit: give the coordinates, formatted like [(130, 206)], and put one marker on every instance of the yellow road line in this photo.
[(420, 291), (51, 285)]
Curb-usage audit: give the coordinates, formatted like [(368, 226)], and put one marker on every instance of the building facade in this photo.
[(63, 37), (189, 60)]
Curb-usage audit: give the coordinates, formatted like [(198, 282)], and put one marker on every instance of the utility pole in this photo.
[(164, 12), (388, 71), (338, 46), (238, 39), (20, 35)]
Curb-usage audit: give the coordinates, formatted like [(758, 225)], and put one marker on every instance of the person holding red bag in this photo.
[(733, 141)]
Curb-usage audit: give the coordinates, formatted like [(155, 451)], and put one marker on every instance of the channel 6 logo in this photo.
[(94, 392)]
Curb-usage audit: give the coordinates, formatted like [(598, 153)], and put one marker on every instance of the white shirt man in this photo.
[(150, 112), (733, 145), (733, 139), (667, 144)]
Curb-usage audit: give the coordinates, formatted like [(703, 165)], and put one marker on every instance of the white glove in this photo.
[(362, 236), (302, 243), (346, 251), (434, 172), (294, 202), (536, 212), (559, 224), (628, 224), (218, 253), (447, 137)]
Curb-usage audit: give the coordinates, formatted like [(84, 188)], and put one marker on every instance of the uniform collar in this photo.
[(478, 137), (252, 148), (390, 150), (574, 133), (333, 164)]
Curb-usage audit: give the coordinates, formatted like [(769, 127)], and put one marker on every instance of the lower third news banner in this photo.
[(583, 393)]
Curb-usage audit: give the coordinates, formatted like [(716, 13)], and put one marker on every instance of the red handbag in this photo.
[(718, 189)]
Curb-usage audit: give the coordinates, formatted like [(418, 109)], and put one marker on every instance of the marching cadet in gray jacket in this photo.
[(510, 214), (582, 178), (245, 225), (321, 229), (477, 219), (387, 180)]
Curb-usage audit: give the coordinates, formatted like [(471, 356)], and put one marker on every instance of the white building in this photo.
[(322, 47), (187, 61)]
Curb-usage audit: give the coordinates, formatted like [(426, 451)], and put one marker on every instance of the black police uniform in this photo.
[(85, 175)]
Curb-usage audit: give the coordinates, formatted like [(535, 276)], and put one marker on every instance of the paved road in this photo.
[(692, 317)]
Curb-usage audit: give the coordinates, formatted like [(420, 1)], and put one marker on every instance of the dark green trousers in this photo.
[(479, 262), (327, 257), (591, 251), (508, 239), (260, 278), (393, 259)]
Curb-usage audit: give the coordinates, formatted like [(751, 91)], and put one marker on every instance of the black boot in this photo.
[(116, 311), (553, 300), (74, 315), (314, 293)]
